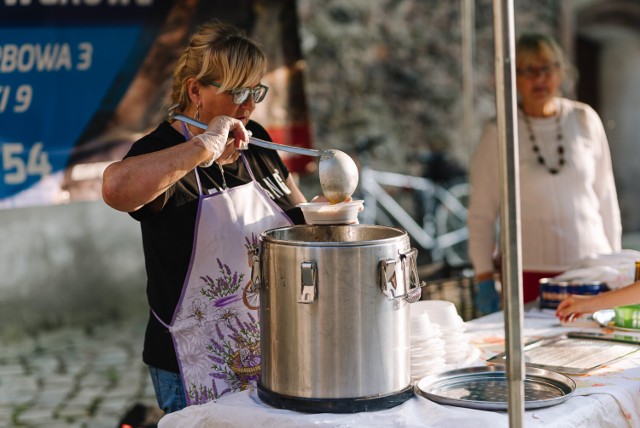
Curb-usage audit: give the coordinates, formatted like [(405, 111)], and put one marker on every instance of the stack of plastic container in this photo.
[(438, 341), (427, 346)]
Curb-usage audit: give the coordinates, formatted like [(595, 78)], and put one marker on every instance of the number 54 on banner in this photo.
[(18, 164)]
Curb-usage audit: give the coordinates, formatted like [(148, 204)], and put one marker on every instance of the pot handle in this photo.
[(309, 277), (391, 270), (410, 268)]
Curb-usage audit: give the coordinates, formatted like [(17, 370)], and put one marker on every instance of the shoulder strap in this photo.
[(246, 164)]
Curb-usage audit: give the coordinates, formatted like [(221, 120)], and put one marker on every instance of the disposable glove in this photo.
[(216, 137), (487, 299)]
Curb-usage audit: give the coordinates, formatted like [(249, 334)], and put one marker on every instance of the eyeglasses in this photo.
[(240, 95), (534, 72)]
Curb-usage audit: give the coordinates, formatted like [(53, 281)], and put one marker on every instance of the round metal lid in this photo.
[(485, 388)]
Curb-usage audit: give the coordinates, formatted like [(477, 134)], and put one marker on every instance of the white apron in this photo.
[(215, 326)]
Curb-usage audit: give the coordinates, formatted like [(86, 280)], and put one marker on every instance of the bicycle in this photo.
[(442, 210)]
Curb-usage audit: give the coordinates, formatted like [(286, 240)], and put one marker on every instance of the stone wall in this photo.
[(393, 69)]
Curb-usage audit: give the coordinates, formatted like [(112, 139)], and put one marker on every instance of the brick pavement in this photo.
[(75, 377)]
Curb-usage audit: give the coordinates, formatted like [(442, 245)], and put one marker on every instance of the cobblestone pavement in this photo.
[(75, 377)]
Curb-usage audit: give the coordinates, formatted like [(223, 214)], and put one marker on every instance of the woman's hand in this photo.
[(217, 139), (320, 198), (572, 307), (323, 198), (486, 298)]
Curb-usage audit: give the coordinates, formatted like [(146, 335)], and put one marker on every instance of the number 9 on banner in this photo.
[(22, 98)]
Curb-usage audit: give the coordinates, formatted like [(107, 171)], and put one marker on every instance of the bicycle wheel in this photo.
[(452, 219)]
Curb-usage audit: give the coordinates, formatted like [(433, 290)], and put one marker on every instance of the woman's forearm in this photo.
[(627, 295), (133, 182)]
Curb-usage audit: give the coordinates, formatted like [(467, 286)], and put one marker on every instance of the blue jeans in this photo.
[(169, 390)]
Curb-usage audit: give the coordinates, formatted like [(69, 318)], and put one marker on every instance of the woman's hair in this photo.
[(220, 53), (534, 44)]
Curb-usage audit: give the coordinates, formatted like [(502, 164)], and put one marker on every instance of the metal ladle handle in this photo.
[(259, 142)]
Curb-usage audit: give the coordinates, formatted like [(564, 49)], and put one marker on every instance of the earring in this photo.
[(197, 116)]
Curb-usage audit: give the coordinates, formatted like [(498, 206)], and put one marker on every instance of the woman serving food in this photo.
[(202, 198)]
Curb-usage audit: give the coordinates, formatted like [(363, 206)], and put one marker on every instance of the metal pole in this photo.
[(510, 206), (468, 18)]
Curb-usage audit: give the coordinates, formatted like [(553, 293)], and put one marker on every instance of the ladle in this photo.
[(338, 172)]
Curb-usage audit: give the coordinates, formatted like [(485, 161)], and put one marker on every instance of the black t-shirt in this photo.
[(167, 236)]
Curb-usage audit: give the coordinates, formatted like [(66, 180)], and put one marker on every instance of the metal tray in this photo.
[(575, 352), (485, 388)]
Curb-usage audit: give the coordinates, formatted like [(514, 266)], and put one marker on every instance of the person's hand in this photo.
[(487, 299), (220, 132), (572, 307), (323, 198)]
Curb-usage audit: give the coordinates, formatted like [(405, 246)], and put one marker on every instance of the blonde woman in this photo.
[(568, 203), (200, 196)]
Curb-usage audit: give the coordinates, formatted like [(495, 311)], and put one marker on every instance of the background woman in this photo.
[(568, 202)]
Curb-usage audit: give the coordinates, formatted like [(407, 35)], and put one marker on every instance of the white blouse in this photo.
[(563, 217)]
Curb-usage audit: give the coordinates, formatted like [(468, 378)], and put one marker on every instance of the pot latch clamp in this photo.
[(255, 271), (389, 279), (308, 288), (399, 278)]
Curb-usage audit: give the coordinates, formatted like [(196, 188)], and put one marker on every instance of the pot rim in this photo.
[(399, 235)]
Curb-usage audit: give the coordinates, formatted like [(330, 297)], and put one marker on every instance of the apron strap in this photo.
[(159, 319), (185, 131), (260, 188), (246, 164)]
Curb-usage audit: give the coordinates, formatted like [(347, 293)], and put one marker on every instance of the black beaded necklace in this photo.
[(536, 148)]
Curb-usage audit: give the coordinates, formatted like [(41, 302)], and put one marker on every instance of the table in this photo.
[(606, 397)]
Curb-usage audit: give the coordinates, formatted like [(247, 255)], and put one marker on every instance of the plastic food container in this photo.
[(552, 292), (441, 312), (627, 316), (328, 213)]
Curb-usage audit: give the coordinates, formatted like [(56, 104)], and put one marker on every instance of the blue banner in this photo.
[(80, 80), (61, 64)]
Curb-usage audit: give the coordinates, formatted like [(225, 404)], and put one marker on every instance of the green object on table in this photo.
[(627, 316)]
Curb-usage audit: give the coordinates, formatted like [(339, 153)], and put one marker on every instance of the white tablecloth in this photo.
[(606, 397)]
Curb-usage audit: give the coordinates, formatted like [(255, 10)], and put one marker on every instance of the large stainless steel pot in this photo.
[(334, 317)]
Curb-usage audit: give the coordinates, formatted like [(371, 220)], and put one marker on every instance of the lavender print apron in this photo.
[(215, 326)]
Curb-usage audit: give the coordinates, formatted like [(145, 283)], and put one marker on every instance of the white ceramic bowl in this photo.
[(328, 213)]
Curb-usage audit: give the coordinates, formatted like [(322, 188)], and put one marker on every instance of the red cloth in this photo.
[(531, 284)]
